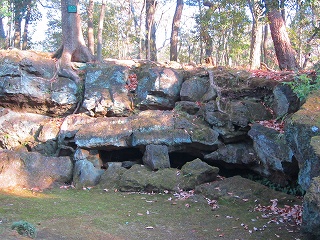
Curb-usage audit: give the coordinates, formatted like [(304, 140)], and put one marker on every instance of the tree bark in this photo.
[(90, 26), (151, 48), (100, 29), (2, 34), (18, 6), (256, 34), (265, 43), (284, 51), (26, 26), (175, 31), (73, 45)]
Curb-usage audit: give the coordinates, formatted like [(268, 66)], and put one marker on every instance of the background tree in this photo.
[(90, 31), (222, 29), (256, 9), (304, 30), (4, 13), (175, 31), (284, 51), (100, 29), (150, 40)]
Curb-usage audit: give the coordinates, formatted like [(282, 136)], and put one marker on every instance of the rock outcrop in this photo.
[(302, 129), (33, 170), (128, 123)]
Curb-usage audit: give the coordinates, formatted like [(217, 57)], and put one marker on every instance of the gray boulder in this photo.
[(109, 91), (300, 128), (110, 179), (148, 127), (195, 88), (31, 76), (311, 209), (243, 112), (285, 101), (197, 172), (20, 130), (140, 178), (105, 90), (33, 170), (89, 155), (106, 133), (239, 154), (156, 157), (274, 153), (85, 174), (158, 87), (135, 179)]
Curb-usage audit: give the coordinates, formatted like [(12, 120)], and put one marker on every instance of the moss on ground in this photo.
[(96, 214)]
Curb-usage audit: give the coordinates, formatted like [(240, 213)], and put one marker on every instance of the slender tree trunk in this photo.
[(18, 9), (255, 49), (201, 31), (175, 31), (90, 26), (151, 48), (2, 34), (284, 51), (265, 43), (26, 26), (256, 35), (100, 29)]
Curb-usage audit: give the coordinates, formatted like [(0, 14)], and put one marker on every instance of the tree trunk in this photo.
[(256, 35), (201, 30), (90, 26), (100, 29), (2, 34), (151, 48), (265, 43), (284, 52), (26, 26), (175, 31), (73, 45), (18, 6)]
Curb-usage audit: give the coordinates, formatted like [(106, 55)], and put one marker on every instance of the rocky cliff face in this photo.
[(126, 113)]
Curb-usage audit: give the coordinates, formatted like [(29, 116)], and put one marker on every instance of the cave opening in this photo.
[(128, 156)]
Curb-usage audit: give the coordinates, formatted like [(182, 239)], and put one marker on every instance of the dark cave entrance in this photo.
[(128, 156)]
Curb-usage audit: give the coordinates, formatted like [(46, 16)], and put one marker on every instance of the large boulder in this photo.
[(110, 179), (243, 112), (158, 87), (33, 170), (148, 127), (300, 128), (275, 156), (19, 129), (236, 154), (285, 101), (311, 209), (28, 81), (105, 90), (156, 157), (195, 88), (135, 179), (116, 89), (85, 174), (68, 129), (197, 172)]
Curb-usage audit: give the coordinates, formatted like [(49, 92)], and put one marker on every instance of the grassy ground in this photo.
[(96, 214)]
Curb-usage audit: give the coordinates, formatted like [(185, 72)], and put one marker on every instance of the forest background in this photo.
[(227, 32)]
